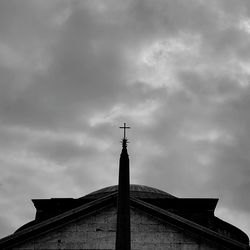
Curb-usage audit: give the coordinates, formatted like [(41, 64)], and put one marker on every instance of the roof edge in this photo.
[(178, 220), (49, 224), (93, 206)]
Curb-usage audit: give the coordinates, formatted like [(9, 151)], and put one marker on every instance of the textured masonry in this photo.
[(98, 232)]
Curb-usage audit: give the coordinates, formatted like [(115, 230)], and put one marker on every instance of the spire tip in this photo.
[(124, 142)]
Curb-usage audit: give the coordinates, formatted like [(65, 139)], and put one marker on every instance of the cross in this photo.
[(124, 130)]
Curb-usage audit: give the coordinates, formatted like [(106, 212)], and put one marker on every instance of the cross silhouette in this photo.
[(124, 130)]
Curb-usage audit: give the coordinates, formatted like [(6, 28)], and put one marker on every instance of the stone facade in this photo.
[(98, 231)]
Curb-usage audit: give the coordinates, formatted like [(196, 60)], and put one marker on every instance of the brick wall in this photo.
[(98, 232)]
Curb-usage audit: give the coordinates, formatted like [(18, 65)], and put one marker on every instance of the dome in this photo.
[(137, 191)]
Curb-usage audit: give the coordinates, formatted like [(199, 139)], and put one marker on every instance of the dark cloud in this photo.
[(73, 71)]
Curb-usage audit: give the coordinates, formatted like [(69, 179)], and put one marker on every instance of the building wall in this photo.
[(98, 232)]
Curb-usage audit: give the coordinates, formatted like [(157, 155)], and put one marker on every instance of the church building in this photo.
[(126, 217)]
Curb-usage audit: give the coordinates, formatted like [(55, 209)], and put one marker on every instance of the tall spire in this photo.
[(123, 241)]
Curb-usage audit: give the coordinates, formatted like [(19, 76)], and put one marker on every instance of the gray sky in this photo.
[(71, 72)]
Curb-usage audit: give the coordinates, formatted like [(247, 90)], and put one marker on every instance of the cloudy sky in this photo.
[(71, 72)]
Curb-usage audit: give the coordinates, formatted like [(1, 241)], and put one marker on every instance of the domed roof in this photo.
[(137, 191)]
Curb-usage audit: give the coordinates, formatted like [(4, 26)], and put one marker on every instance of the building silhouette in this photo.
[(124, 217)]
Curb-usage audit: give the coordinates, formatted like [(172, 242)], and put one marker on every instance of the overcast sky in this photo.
[(71, 72)]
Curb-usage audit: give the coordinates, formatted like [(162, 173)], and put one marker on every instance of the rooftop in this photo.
[(137, 191)]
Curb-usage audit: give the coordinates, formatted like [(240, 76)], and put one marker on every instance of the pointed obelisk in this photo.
[(123, 241)]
